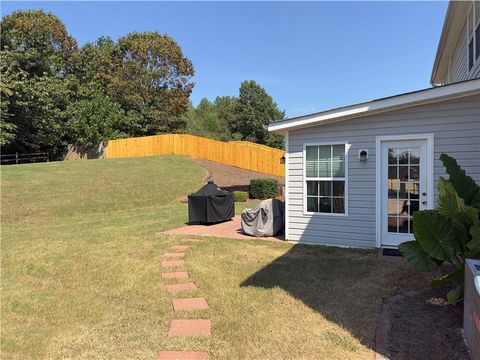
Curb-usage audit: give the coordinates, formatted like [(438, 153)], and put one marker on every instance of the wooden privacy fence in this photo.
[(243, 154)]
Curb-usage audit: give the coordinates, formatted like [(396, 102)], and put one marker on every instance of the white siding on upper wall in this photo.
[(459, 62), (455, 125)]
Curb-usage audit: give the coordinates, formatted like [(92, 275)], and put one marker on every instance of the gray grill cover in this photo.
[(264, 220)]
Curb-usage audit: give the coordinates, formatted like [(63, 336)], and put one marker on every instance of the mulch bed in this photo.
[(421, 325)]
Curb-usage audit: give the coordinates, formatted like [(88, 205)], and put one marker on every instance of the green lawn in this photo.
[(81, 272)]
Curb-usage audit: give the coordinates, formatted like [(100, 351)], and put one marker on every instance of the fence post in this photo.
[(16, 158)]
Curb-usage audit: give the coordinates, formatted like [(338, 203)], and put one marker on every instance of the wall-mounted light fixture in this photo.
[(282, 160), (363, 155)]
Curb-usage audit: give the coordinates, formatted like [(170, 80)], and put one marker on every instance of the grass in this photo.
[(81, 277)]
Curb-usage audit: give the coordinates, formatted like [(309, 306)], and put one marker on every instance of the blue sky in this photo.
[(309, 56)]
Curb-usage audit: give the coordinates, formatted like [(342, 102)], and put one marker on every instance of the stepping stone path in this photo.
[(173, 263), (175, 288), (174, 255), (182, 355), (190, 304), (184, 327), (175, 275)]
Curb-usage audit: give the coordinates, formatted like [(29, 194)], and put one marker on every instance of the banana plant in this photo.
[(450, 233)]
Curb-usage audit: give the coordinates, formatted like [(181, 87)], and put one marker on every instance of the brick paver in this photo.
[(175, 288), (173, 263), (174, 255), (182, 355), (190, 304), (175, 275), (180, 247), (190, 327)]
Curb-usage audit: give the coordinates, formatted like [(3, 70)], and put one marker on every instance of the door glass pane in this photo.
[(403, 186)]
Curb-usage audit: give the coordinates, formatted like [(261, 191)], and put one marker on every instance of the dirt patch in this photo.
[(226, 175), (421, 325)]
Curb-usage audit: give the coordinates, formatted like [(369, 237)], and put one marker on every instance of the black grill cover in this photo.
[(210, 205)]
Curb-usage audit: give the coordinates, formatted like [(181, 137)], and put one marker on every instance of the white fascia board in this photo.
[(363, 109)]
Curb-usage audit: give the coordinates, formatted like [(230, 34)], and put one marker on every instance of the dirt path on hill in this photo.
[(226, 175)]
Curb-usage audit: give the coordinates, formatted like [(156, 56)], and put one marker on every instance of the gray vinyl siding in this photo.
[(456, 128), (459, 65)]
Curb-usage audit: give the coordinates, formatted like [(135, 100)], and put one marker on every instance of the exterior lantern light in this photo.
[(363, 155), (282, 160)]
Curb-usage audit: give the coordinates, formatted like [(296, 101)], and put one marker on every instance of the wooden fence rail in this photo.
[(242, 154), (23, 158)]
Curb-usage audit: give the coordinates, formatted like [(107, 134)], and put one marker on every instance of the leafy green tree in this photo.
[(254, 109), (38, 41), (151, 79), (7, 128), (36, 48)]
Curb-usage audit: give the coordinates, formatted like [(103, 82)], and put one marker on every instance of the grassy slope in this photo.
[(81, 274)]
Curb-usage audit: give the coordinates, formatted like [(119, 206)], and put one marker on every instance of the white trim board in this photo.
[(378, 163), (287, 164)]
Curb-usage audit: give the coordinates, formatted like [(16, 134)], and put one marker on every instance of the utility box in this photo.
[(471, 310)]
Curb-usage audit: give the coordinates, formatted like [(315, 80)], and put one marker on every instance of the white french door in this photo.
[(404, 187)]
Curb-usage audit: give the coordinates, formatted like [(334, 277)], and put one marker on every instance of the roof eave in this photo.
[(434, 94)]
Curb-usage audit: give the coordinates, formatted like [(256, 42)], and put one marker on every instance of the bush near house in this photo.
[(264, 188), (240, 196), (450, 233)]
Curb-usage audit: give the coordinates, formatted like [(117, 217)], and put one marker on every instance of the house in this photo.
[(355, 174)]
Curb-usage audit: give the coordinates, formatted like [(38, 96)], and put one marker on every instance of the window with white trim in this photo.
[(473, 34), (325, 179)]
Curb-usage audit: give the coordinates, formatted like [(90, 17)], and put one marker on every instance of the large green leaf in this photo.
[(417, 257), (454, 295), (463, 184), (435, 234), (474, 244), (448, 279)]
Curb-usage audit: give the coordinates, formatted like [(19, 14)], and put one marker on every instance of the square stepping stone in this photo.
[(182, 355), (173, 263), (175, 288), (190, 327), (190, 304), (180, 247), (175, 275), (194, 240), (174, 255)]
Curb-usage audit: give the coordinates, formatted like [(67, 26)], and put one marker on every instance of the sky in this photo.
[(309, 56)]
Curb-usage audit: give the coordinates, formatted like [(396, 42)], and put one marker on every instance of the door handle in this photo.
[(424, 194)]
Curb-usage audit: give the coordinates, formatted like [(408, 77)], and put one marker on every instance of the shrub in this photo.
[(264, 188), (240, 196), (450, 233)]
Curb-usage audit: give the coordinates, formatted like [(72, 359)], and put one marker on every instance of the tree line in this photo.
[(55, 93)]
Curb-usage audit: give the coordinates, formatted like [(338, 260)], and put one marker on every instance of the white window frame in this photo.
[(304, 180), (472, 36)]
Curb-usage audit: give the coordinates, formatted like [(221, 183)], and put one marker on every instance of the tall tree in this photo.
[(36, 49), (151, 79), (255, 109)]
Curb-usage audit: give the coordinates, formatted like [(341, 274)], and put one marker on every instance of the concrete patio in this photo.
[(229, 230)]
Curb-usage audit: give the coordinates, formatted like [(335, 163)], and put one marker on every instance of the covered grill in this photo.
[(210, 205)]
